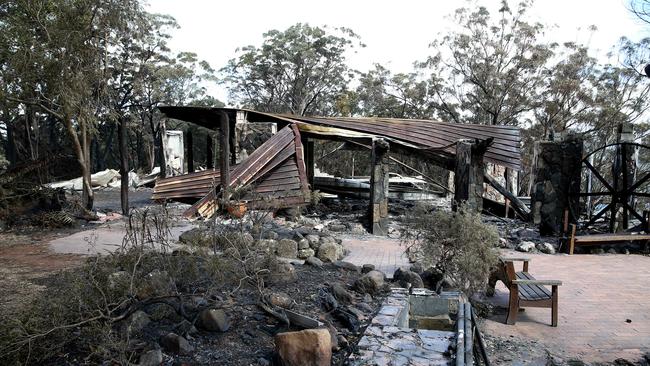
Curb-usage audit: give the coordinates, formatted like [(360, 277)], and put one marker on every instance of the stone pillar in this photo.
[(468, 176), (379, 187), (555, 180)]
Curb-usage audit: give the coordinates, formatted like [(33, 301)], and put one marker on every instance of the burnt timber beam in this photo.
[(468, 174), (209, 151), (224, 155), (516, 203)]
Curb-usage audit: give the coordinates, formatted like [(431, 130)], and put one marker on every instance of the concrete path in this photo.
[(103, 239), (385, 253)]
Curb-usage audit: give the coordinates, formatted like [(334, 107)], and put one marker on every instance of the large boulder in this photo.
[(311, 347), (137, 322), (287, 248), (347, 266), (405, 277), (370, 282), (214, 320)]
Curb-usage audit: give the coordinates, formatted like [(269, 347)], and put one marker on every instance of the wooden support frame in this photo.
[(379, 176), (224, 156)]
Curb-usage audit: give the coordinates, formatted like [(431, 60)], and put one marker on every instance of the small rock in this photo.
[(214, 320), (365, 307), (283, 272), (546, 248), (270, 234), (333, 337), (405, 277), (281, 299), (137, 322), (311, 347), (267, 245), (526, 246), (156, 283), (196, 236), (370, 282), (347, 266), (306, 253), (367, 298), (151, 358), (263, 361), (314, 241), (287, 248), (503, 243), (303, 244), (313, 261), (341, 294), (338, 227), (319, 227), (328, 252), (186, 328), (367, 268), (173, 343), (612, 251)]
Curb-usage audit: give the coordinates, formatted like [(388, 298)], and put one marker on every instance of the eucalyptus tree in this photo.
[(301, 70), (489, 71)]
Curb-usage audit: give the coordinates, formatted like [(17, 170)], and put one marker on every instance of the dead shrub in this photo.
[(84, 313), (456, 244)]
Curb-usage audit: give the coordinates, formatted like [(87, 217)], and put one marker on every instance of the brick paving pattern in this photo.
[(600, 293), (385, 253)]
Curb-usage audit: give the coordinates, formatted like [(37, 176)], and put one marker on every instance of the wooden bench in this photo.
[(602, 239), (525, 290)]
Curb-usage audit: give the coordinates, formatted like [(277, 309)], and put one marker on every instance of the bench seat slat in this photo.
[(532, 292)]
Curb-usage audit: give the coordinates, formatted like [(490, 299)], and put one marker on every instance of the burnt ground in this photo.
[(26, 262)]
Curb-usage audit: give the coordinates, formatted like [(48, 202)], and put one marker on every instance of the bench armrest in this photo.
[(538, 282), (515, 259)]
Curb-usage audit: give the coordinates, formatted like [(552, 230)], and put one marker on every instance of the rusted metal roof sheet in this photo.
[(274, 173), (426, 135)]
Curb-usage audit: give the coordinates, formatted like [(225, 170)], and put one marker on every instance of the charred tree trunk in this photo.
[(10, 144), (124, 165)]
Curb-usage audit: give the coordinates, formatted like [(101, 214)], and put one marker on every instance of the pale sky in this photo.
[(396, 33)]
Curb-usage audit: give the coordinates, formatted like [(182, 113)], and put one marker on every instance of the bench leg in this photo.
[(513, 305), (554, 309)]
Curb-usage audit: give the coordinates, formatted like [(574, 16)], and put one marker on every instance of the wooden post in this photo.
[(224, 155), (308, 149), (190, 151), (468, 175), (379, 187), (209, 153)]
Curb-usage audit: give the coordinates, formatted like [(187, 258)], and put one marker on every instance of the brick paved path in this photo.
[(385, 253), (599, 293)]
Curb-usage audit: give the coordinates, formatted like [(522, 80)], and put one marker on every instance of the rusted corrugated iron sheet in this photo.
[(274, 172), (426, 135)]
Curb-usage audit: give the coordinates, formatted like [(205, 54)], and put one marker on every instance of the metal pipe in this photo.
[(460, 335), (469, 357)]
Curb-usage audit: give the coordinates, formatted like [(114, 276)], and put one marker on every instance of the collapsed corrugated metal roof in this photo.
[(429, 137), (274, 174)]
